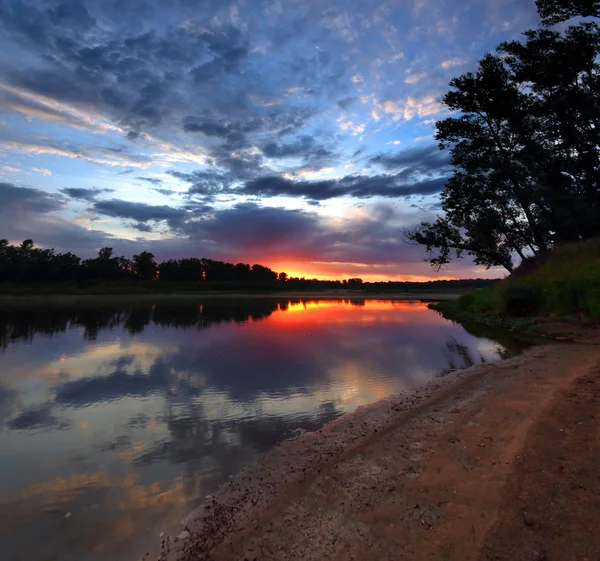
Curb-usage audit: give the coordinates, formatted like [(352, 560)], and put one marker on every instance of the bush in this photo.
[(563, 281)]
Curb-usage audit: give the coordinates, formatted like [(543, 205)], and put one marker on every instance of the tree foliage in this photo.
[(26, 263), (555, 11), (525, 150)]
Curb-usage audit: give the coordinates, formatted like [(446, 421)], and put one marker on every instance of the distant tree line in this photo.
[(27, 264), (525, 146)]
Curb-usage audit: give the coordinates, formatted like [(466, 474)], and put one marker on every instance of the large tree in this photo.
[(524, 146)]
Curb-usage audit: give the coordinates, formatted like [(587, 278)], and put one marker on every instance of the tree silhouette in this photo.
[(555, 11), (524, 148), (144, 266)]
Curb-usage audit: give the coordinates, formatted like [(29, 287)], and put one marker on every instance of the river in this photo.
[(116, 420)]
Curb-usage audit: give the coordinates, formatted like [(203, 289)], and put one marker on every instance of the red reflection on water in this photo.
[(354, 311)]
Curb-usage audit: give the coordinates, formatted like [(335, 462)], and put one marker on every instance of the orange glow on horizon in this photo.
[(368, 273)]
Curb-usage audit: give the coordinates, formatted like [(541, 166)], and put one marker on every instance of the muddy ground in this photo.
[(499, 462)]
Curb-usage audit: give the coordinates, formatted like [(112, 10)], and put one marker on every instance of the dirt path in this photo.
[(499, 462)]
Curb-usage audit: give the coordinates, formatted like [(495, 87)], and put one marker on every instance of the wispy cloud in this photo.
[(415, 77), (43, 171), (37, 106), (96, 155), (452, 62)]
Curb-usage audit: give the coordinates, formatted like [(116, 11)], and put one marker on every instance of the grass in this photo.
[(565, 283)]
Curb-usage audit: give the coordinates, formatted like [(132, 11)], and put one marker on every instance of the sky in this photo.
[(297, 134)]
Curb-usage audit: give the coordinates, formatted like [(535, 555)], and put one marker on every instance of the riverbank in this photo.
[(495, 462), (184, 298)]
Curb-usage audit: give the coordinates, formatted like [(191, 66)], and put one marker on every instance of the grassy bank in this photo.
[(564, 284)]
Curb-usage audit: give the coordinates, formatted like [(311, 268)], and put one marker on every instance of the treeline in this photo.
[(524, 139), (27, 264), (24, 265)]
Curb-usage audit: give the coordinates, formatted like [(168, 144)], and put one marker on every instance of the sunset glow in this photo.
[(297, 135)]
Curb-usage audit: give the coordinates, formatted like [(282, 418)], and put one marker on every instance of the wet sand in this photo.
[(495, 462)]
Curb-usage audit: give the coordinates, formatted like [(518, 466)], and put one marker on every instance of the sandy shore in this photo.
[(499, 461)]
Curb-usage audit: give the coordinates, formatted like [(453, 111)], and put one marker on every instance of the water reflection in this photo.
[(115, 421)]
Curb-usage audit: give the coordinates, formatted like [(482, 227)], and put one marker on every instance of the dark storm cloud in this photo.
[(13, 198), (83, 194)]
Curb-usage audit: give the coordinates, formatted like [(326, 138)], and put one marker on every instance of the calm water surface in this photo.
[(115, 422)]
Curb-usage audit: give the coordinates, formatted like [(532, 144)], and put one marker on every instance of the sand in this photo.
[(499, 461)]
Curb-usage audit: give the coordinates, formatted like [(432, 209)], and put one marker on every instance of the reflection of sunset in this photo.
[(125, 430), (359, 311)]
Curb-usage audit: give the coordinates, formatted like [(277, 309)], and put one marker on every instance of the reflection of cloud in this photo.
[(133, 507), (93, 359), (37, 418), (7, 403), (219, 397)]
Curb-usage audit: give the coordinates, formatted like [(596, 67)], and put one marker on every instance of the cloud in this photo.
[(263, 101), (84, 194), (117, 156), (358, 186), (417, 171), (421, 160), (14, 199), (8, 397), (37, 418), (43, 171), (39, 106), (141, 212), (143, 227), (305, 146), (413, 106), (153, 180), (415, 77), (452, 62)]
